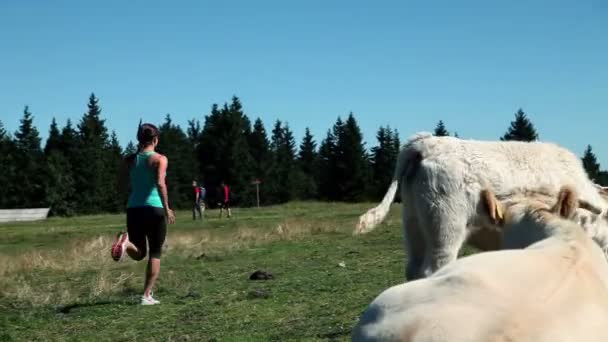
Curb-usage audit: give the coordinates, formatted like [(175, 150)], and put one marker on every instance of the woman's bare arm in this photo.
[(162, 187)]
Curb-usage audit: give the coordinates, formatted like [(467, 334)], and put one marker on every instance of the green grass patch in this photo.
[(59, 283)]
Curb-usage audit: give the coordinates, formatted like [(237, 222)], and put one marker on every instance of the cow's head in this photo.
[(536, 209), (530, 205)]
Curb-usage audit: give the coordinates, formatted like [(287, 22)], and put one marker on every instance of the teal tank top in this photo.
[(144, 192)]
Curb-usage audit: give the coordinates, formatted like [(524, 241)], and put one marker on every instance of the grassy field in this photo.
[(58, 282)]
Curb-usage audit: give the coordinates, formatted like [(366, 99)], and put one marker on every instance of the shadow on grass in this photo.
[(66, 309)]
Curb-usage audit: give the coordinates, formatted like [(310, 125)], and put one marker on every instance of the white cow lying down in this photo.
[(554, 290), (494, 237), (441, 179)]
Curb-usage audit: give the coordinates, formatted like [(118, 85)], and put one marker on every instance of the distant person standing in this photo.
[(199, 200), (226, 199), (148, 209)]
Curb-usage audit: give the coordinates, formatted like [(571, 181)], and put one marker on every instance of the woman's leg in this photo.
[(156, 238), (136, 241), (133, 242), (152, 271)]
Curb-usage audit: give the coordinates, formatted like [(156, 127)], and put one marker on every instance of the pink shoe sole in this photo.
[(118, 247)]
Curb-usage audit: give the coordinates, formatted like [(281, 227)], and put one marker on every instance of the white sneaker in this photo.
[(149, 300)]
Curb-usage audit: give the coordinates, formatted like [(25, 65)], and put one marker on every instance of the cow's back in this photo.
[(502, 166)]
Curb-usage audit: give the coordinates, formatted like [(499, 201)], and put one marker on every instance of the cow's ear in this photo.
[(567, 202), (492, 207)]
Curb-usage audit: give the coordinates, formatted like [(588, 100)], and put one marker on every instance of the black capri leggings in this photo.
[(150, 223)]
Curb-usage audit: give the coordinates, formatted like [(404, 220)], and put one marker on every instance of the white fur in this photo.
[(440, 193), (554, 290)]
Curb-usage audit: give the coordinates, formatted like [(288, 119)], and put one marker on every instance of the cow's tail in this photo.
[(407, 164)]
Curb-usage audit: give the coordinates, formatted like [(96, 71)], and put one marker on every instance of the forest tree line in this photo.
[(75, 171)]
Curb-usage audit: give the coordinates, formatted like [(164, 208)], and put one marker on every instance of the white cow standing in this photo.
[(441, 179), (554, 290)]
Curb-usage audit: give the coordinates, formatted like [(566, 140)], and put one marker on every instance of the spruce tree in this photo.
[(91, 174), (259, 148), (383, 159), (69, 141), (53, 141), (603, 178), (60, 187), (175, 145), (326, 177), (10, 192), (395, 154), (521, 129), (129, 149), (590, 164), (352, 163), (440, 130), (117, 201), (59, 180), (281, 183), (29, 164), (238, 155), (194, 132), (307, 157), (224, 152), (69, 147), (396, 144), (209, 151)]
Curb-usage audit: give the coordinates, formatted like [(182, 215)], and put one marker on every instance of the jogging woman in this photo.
[(147, 208)]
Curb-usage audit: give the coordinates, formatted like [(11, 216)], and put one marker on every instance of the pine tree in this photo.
[(603, 178), (208, 152), (129, 149), (29, 164), (194, 132), (175, 145), (9, 196), (590, 164), (52, 142), (117, 199), (395, 153), (238, 155), (383, 159), (60, 187), (259, 148), (194, 136), (58, 175), (281, 183), (224, 152), (307, 157), (352, 163), (69, 141), (396, 143), (327, 180), (440, 130), (91, 174), (521, 129)]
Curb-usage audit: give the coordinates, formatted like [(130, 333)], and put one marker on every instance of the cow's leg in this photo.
[(446, 236), (444, 224), (414, 243)]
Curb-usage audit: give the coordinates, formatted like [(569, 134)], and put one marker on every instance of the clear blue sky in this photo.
[(403, 63)]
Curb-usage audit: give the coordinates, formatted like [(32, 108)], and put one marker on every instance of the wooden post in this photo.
[(257, 190)]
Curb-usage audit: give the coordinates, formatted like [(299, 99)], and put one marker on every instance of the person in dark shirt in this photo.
[(225, 193)]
